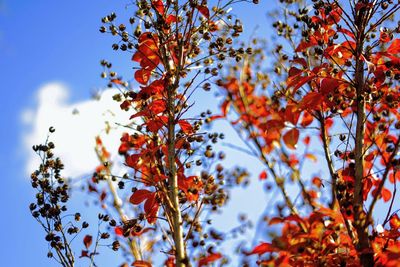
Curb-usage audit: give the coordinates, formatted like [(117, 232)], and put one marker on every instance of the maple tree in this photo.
[(330, 102)]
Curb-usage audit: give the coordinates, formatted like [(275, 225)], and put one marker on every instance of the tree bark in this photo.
[(363, 245)]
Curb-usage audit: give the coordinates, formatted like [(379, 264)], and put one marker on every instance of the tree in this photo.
[(334, 85)]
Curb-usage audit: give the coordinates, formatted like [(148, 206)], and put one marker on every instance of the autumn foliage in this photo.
[(319, 110)]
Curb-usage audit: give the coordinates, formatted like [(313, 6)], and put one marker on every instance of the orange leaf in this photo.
[(307, 119), (304, 45), (116, 81), (261, 249), (395, 222), (185, 126), (140, 263), (312, 157), (317, 181), (209, 259), (87, 241), (142, 76), (291, 138), (386, 194)]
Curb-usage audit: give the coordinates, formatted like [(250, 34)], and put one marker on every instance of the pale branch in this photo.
[(133, 246)]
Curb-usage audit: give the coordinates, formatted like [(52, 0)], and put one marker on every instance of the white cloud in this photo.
[(76, 126)]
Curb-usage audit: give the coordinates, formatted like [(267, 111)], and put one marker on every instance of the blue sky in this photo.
[(48, 49), (44, 42)]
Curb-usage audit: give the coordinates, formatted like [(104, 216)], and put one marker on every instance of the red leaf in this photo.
[(170, 19), (215, 117), (116, 81), (328, 85), (307, 119), (87, 241), (151, 216), (142, 76), (384, 37), (170, 262), (317, 182), (154, 125), (275, 220), (185, 126), (204, 11), (347, 32), (225, 107), (291, 138), (139, 196), (154, 108), (131, 160), (298, 82), (304, 45), (263, 175), (84, 254), (140, 263), (118, 231), (386, 194), (273, 125), (307, 140), (157, 106), (158, 4), (150, 202), (300, 61), (311, 101), (291, 114), (209, 259), (144, 230), (103, 195), (394, 48), (261, 249), (293, 71)]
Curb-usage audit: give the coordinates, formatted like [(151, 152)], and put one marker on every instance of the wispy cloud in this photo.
[(76, 126)]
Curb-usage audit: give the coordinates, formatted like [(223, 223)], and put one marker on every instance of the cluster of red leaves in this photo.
[(325, 242), (322, 237)]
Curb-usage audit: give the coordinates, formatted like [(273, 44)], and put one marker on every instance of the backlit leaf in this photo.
[(291, 138), (87, 241), (261, 249), (209, 259), (139, 196)]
